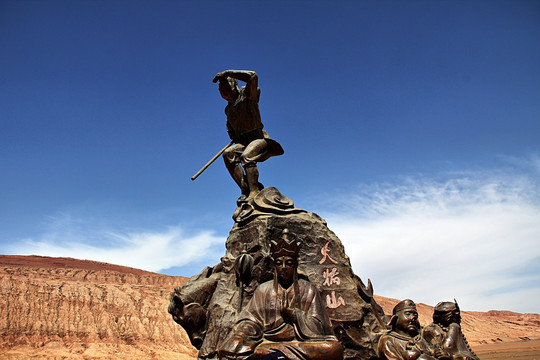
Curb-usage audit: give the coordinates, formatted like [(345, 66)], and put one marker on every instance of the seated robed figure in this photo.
[(445, 331), (285, 317), (404, 342)]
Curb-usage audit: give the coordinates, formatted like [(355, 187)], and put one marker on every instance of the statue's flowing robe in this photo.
[(261, 324), (394, 346)]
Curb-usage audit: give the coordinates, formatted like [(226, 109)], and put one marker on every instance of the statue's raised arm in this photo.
[(251, 79), (245, 128)]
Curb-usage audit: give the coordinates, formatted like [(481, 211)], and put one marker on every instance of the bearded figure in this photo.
[(445, 332), (404, 342)]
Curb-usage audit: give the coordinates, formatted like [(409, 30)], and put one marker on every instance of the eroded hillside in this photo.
[(74, 309), (83, 309)]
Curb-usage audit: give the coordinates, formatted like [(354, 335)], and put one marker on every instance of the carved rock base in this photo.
[(357, 319)]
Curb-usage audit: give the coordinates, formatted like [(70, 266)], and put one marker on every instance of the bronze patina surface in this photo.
[(285, 316), (404, 342), (211, 303), (252, 144), (445, 331), (285, 288)]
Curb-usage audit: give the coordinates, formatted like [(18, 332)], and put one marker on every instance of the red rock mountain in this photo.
[(77, 309)]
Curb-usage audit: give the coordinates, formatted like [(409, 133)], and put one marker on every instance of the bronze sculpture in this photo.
[(253, 304), (209, 305), (285, 316), (445, 331), (252, 144), (404, 342)]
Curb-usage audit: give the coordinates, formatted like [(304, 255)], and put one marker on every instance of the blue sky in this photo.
[(412, 127)]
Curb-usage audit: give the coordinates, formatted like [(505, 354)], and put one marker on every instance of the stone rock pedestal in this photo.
[(219, 292)]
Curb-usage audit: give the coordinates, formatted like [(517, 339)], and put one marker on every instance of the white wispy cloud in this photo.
[(474, 236), (152, 251)]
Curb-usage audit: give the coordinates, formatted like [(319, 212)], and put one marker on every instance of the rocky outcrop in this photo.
[(55, 307), (215, 297)]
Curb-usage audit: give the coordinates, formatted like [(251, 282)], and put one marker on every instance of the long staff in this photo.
[(211, 161)]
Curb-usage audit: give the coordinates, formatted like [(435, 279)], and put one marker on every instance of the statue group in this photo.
[(442, 339), (285, 288)]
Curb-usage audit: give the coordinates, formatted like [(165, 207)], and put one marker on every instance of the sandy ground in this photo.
[(518, 350)]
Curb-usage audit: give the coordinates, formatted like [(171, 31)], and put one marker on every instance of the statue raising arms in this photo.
[(251, 143)]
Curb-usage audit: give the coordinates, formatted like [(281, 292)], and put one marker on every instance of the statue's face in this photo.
[(228, 90), (451, 316), (407, 322), (285, 267)]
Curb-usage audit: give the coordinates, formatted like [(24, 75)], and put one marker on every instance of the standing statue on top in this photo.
[(251, 143)]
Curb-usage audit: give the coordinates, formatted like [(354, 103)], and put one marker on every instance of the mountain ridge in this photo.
[(78, 309)]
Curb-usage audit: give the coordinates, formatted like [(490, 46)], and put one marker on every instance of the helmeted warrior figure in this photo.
[(445, 332), (404, 342), (251, 143), (285, 317)]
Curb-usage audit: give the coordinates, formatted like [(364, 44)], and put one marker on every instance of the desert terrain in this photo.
[(65, 308)]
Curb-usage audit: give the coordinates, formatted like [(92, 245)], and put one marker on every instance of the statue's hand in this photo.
[(289, 315), (220, 75), (442, 355)]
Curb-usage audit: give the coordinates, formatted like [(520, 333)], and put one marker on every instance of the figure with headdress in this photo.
[(404, 342), (252, 144), (285, 317), (445, 331)]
